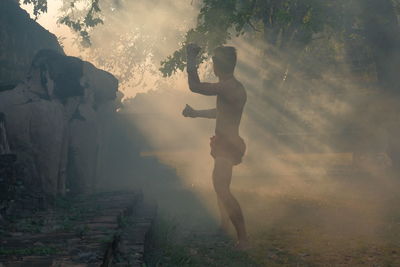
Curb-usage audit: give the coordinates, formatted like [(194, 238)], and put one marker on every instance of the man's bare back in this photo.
[(230, 104)]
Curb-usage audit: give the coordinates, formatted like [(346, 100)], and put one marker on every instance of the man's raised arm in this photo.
[(193, 77)]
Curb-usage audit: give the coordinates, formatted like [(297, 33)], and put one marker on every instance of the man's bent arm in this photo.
[(206, 113), (194, 81)]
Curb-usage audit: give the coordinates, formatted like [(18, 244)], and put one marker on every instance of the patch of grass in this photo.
[(81, 230), (123, 221), (63, 203), (169, 249), (36, 251), (30, 225), (163, 250), (107, 239), (67, 224)]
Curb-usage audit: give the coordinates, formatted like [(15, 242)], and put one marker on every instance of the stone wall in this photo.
[(54, 108)]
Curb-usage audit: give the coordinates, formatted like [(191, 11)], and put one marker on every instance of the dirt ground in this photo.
[(298, 214)]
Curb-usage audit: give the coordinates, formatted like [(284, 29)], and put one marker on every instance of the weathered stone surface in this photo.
[(36, 129), (4, 144), (83, 149), (65, 73), (131, 246), (58, 245), (54, 107), (85, 136), (104, 85), (20, 39), (53, 121)]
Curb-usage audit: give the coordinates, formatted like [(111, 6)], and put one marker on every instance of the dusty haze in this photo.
[(292, 178)]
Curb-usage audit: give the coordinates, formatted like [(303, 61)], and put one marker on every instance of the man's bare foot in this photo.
[(243, 245)]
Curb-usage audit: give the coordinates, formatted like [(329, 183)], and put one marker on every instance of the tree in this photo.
[(127, 38), (284, 25), (39, 6), (88, 16)]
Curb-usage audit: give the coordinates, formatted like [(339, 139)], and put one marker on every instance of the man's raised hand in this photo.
[(188, 111), (192, 49)]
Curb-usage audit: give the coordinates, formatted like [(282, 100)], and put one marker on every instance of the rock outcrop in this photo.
[(54, 128), (85, 127), (20, 39), (54, 107)]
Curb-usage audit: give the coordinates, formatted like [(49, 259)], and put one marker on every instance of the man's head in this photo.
[(224, 60)]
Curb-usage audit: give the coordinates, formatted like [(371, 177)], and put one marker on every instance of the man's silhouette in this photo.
[(227, 147)]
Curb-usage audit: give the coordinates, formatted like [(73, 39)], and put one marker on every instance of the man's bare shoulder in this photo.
[(235, 89), (231, 85)]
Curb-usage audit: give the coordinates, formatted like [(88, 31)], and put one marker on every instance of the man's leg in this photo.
[(222, 176), (224, 223)]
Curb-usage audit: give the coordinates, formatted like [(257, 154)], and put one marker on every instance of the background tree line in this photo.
[(307, 48)]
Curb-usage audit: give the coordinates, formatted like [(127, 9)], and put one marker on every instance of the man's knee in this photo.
[(221, 183), (225, 198), (222, 191)]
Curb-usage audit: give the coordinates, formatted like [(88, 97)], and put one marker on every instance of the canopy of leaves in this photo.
[(39, 6), (218, 20), (82, 20)]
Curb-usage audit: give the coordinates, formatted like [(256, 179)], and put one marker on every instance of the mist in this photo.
[(310, 181), (307, 179)]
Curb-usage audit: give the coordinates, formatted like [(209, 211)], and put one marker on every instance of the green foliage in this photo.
[(164, 250), (214, 21), (177, 61), (30, 225), (39, 6), (37, 251), (82, 24), (294, 20), (170, 248)]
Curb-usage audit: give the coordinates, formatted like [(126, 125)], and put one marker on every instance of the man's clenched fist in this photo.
[(189, 112)]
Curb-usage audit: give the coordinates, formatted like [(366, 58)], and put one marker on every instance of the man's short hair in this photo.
[(225, 59)]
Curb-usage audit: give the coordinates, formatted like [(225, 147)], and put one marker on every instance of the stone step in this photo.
[(131, 247), (113, 233)]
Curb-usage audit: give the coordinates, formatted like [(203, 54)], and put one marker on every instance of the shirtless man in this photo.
[(227, 147)]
